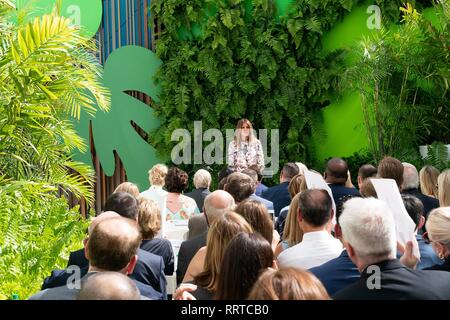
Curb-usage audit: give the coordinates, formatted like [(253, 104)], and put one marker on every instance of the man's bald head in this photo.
[(112, 244), (336, 171), (108, 286), (216, 204), (102, 217)]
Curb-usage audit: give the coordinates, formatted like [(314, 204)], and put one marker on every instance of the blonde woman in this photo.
[(428, 176), (444, 188), (438, 234), (150, 224), (156, 176), (204, 268), (128, 187), (245, 150), (293, 233)]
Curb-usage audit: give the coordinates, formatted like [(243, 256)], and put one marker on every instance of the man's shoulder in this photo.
[(58, 293), (148, 257), (196, 241)]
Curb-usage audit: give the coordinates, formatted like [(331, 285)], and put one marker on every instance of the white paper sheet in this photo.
[(315, 181), (387, 190)]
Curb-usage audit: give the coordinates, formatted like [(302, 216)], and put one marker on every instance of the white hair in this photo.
[(368, 226), (218, 203), (202, 179), (410, 176)]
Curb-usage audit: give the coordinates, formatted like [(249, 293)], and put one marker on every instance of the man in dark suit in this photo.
[(150, 267), (336, 175), (216, 204), (369, 234), (410, 186), (112, 246), (202, 182), (279, 194)]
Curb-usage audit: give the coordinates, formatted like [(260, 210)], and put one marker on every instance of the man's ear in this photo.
[(360, 181), (350, 250), (274, 264), (337, 231), (86, 250), (421, 222), (299, 215), (132, 264)]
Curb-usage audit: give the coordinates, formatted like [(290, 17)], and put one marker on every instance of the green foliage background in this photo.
[(222, 63)]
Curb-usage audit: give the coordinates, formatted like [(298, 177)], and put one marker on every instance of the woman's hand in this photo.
[(183, 292)]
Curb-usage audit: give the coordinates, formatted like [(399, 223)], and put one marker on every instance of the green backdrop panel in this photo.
[(130, 68), (84, 13)]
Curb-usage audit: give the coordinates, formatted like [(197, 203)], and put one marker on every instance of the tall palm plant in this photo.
[(48, 74)]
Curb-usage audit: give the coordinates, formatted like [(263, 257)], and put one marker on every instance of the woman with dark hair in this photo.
[(178, 206), (256, 214), (245, 150), (245, 257)]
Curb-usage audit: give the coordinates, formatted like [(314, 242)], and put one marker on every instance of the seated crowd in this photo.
[(250, 241)]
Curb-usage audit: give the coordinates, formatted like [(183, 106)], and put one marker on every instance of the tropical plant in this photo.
[(48, 73), (402, 77)]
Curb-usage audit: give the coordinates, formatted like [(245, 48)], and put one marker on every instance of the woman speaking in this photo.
[(245, 150)]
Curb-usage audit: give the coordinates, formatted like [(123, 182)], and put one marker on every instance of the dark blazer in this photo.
[(429, 203), (337, 274), (399, 283), (149, 268), (340, 191), (57, 290), (199, 196), (279, 195), (162, 248), (188, 249)]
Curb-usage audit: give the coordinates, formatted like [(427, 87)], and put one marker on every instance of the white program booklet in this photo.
[(387, 190), (315, 181)]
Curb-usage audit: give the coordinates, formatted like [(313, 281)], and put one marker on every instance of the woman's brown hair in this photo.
[(428, 177), (246, 255), (149, 218), (258, 217), (288, 284), (220, 234)]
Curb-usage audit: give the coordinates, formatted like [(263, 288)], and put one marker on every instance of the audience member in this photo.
[(438, 226), (197, 225), (202, 183), (368, 231), (178, 206), (254, 175), (244, 258), (255, 213), (279, 194), (150, 224), (240, 186), (156, 177), (260, 187), (391, 168), (108, 286), (128, 187), (204, 269), (410, 186), (317, 246), (150, 267), (336, 175), (368, 190), (428, 181), (111, 246), (297, 184), (293, 233), (288, 284), (216, 204), (414, 207), (444, 188), (366, 171)]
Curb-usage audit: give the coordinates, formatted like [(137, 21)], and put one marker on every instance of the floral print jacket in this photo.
[(248, 154)]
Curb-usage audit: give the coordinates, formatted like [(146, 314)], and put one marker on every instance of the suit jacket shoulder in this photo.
[(187, 251)]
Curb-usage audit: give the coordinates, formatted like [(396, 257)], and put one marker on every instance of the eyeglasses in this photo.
[(426, 238)]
